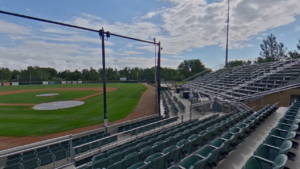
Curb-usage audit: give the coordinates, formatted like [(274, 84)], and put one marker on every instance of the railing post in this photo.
[(72, 151)]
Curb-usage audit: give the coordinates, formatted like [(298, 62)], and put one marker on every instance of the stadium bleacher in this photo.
[(245, 82)]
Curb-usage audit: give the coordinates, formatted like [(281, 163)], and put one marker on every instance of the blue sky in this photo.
[(189, 29)]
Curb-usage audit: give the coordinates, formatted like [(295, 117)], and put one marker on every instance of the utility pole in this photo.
[(101, 32), (226, 58)]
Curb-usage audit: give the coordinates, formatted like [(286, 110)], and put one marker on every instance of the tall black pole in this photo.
[(104, 79), (158, 78), (226, 59)]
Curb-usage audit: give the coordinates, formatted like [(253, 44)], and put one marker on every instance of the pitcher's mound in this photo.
[(48, 94), (57, 105)]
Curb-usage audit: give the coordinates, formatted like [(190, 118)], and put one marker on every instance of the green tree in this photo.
[(189, 68), (294, 54), (271, 50), (235, 63)]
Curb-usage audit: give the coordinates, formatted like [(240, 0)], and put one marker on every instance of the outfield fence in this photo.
[(60, 82)]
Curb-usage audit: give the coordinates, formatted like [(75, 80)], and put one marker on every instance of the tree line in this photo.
[(271, 51), (35, 73)]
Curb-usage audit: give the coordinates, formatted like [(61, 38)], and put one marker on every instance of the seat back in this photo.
[(273, 141), (117, 165), (189, 162), (285, 147), (280, 161), (252, 163), (205, 151)]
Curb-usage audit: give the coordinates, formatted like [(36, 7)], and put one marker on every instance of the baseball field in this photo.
[(18, 118)]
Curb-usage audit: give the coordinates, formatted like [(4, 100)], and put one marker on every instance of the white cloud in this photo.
[(141, 30), (11, 28), (131, 53), (56, 31), (150, 15), (297, 28), (259, 38), (191, 26), (27, 9)]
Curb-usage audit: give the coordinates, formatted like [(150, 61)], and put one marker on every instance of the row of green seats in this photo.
[(272, 153), (216, 142), (145, 146), (40, 157)]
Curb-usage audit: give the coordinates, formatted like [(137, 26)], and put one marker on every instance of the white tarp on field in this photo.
[(63, 82), (45, 82), (79, 82)]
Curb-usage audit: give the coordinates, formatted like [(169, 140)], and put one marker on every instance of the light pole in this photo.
[(116, 69), (226, 57)]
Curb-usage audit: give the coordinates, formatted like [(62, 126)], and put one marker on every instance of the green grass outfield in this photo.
[(24, 121)]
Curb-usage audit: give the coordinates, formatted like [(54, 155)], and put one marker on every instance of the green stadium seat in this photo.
[(159, 162), (210, 133), (140, 165), (13, 166), (159, 146), (132, 158), (244, 128), (112, 151), (228, 140), (113, 139), (149, 161), (260, 163), (46, 158), (172, 154), (151, 141), (117, 156), (130, 150), (30, 163), (99, 156), (236, 132), (293, 127), (281, 133), (202, 139), (185, 147), (101, 163), (117, 165), (29, 155), (286, 121), (190, 162), (193, 139), (186, 133), (270, 152), (147, 151), (104, 142), (217, 154), (170, 141)]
